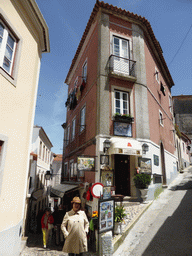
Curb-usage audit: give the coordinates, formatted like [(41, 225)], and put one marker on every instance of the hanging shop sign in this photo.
[(106, 215)]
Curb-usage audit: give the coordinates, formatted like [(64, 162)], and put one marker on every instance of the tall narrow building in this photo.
[(119, 116)]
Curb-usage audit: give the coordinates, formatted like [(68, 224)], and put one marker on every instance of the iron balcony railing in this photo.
[(122, 65)]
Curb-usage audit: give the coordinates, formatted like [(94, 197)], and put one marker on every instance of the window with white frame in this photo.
[(40, 148), (170, 104), (71, 168), (121, 47), (160, 118), (43, 158), (121, 52), (67, 134), (73, 129), (121, 104), (84, 73), (7, 48), (82, 119), (157, 75)]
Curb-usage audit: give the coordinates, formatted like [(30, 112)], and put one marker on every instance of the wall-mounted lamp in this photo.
[(145, 148), (106, 145), (47, 175)]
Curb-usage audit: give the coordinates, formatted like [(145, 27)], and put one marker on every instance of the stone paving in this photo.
[(132, 211), (35, 244)]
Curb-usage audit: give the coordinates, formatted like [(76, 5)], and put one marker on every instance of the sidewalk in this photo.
[(144, 221)]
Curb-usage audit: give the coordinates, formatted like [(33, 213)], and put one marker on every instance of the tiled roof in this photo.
[(58, 157), (116, 10), (186, 137)]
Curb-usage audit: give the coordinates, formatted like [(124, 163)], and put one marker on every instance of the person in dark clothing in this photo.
[(39, 216), (58, 217)]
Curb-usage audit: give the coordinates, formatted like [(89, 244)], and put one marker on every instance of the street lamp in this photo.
[(48, 175), (145, 148)]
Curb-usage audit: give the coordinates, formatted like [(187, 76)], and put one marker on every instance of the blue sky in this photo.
[(172, 25)]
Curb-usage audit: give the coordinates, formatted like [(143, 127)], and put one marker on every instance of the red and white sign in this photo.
[(97, 190)]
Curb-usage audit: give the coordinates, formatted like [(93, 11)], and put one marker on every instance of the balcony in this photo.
[(122, 68)]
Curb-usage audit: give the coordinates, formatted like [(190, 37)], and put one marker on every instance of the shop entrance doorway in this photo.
[(122, 174)]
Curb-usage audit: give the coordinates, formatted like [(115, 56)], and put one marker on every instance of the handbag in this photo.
[(50, 226)]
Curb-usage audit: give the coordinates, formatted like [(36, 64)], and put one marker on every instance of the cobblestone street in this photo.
[(35, 241)]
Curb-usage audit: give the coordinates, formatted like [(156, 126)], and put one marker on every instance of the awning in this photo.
[(126, 146), (60, 189)]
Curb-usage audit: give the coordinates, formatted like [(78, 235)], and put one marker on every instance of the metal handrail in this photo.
[(122, 65)]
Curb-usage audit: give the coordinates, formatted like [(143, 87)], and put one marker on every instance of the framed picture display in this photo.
[(104, 159), (106, 215), (122, 129), (145, 165), (107, 178), (156, 160), (106, 192)]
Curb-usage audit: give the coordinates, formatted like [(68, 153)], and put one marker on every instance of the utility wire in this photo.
[(180, 45)]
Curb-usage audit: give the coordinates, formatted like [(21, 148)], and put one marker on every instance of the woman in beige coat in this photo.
[(75, 227)]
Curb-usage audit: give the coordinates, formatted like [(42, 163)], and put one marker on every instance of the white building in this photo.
[(24, 37), (40, 162)]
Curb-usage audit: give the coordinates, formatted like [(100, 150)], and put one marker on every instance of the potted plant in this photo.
[(142, 181), (123, 118), (119, 217)]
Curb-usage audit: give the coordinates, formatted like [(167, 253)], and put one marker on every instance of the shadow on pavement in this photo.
[(36, 240), (174, 238)]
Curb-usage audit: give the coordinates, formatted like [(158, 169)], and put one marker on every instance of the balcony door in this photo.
[(121, 55)]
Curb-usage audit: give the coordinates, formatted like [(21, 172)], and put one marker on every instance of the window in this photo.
[(76, 83), (121, 102), (43, 158), (160, 118), (71, 168), (82, 119), (84, 75), (66, 172), (40, 149), (37, 181), (73, 129), (67, 135), (30, 182), (170, 104), (121, 52), (1, 150), (157, 75), (121, 47), (7, 48)]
